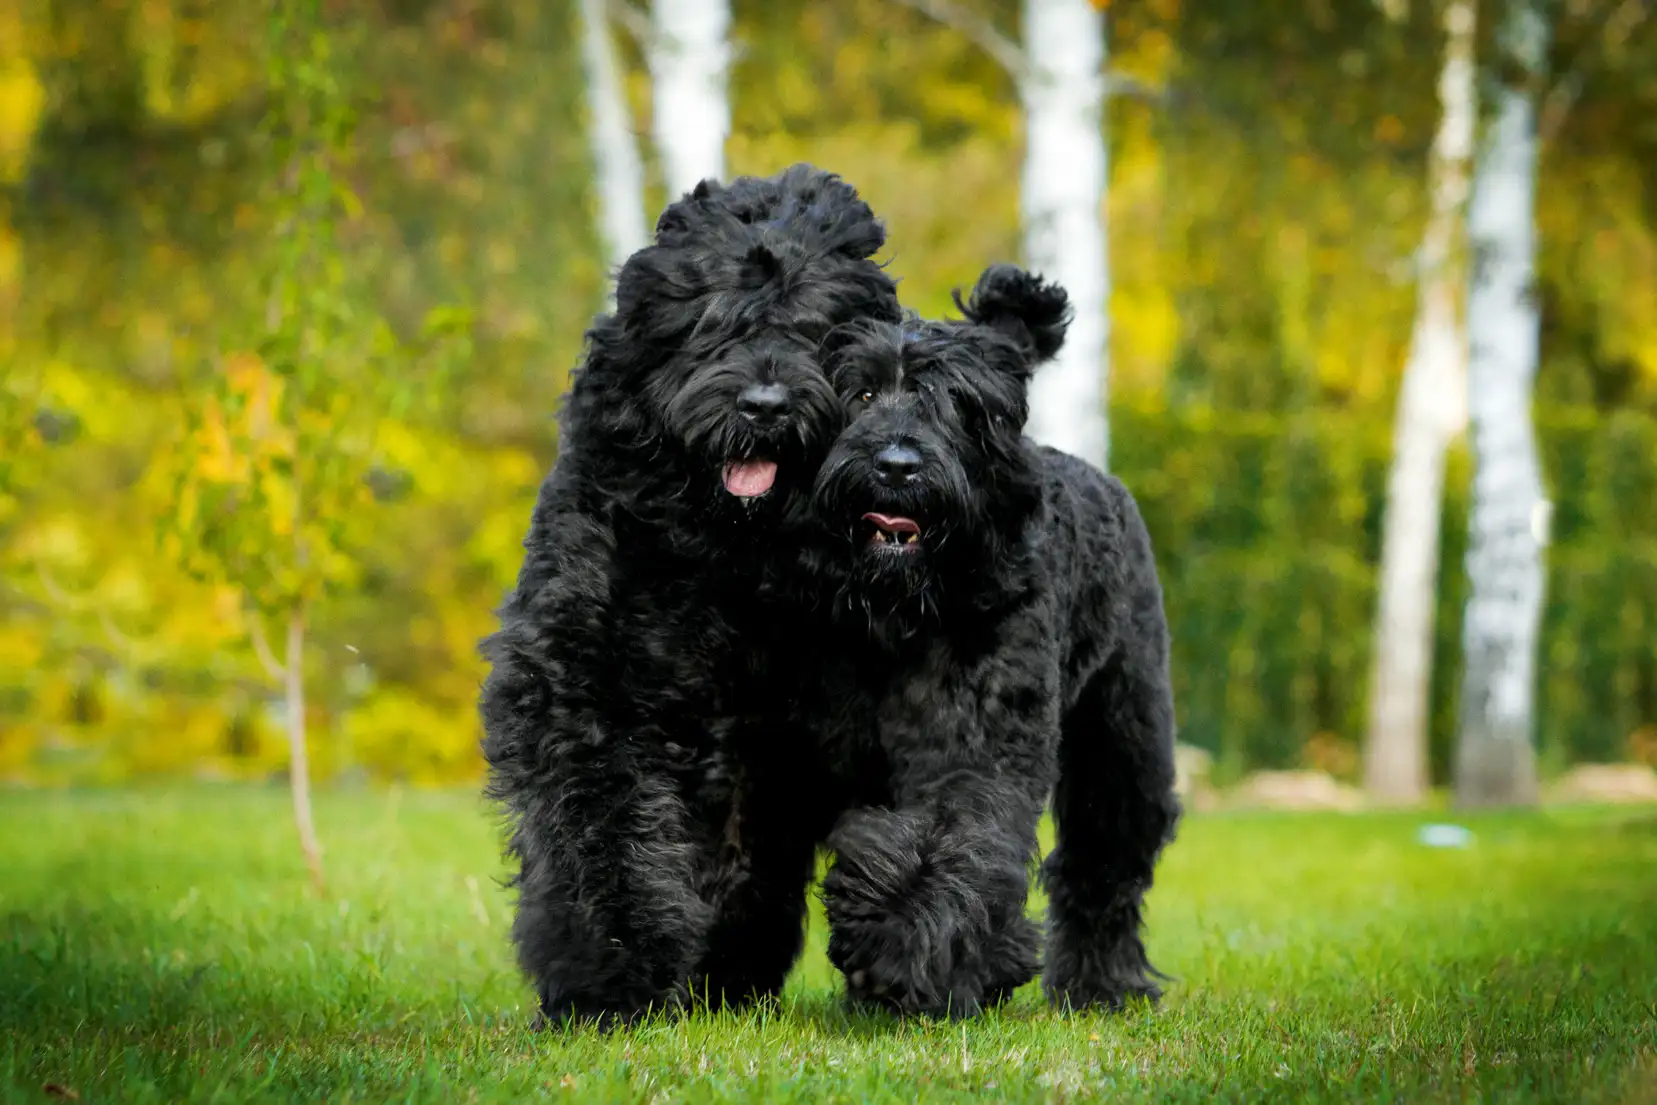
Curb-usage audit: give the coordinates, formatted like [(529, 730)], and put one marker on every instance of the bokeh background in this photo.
[(1268, 190)]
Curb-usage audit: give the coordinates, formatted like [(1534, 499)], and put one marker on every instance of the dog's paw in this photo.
[(919, 923), (890, 961), (1104, 994), (1013, 957), (606, 1012), (1104, 979), (709, 995), (957, 990), (912, 993), (889, 933), (896, 955)]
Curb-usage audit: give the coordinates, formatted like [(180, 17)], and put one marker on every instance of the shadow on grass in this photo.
[(65, 974), (86, 971)]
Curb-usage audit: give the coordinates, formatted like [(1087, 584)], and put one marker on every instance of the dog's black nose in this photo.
[(897, 464), (763, 402)]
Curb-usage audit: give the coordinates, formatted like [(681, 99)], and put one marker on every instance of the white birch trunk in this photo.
[(299, 761), (616, 165), (689, 66), (1062, 200), (1432, 409), (1495, 755)]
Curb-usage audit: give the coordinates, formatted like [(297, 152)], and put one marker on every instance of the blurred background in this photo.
[(289, 297)]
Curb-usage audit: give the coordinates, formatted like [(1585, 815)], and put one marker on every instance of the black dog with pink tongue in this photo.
[(994, 638), (632, 715)]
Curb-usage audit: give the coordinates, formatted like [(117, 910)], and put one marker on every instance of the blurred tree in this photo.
[(272, 479), (1264, 206), (1296, 138), (1061, 197), (1495, 755), (1059, 71), (689, 58), (617, 168), (21, 97), (18, 406), (1431, 410), (687, 54), (1597, 263)]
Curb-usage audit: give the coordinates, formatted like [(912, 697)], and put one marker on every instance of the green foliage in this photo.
[(1599, 654), (154, 950), (273, 476), (1268, 536), (263, 241)]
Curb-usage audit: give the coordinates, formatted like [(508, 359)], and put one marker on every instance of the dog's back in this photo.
[(1096, 556)]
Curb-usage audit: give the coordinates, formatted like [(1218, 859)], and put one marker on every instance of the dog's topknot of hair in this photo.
[(813, 203), (1021, 305)]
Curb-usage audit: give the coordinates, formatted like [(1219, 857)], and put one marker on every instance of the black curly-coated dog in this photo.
[(630, 709), (997, 638)]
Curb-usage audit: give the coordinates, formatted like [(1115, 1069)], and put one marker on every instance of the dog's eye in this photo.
[(865, 396)]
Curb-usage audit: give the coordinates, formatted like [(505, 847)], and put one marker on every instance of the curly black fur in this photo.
[(995, 636), (631, 718)]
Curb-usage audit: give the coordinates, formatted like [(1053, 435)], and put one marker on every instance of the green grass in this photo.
[(163, 946)]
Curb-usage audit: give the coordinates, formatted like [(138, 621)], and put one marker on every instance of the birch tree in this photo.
[(1432, 409), (689, 57), (1062, 81), (617, 167), (271, 494), (1062, 195), (1495, 755)]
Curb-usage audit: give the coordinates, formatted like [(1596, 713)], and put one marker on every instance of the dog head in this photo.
[(932, 479), (717, 327)]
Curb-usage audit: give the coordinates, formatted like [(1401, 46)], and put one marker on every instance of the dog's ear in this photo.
[(676, 219), (859, 235), (673, 221), (658, 294), (1021, 305)]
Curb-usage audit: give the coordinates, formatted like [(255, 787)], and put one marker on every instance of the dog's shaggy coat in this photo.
[(630, 711), (995, 638)]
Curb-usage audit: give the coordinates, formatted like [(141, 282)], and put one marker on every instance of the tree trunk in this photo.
[(1432, 409), (1495, 756), (616, 165), (299, 766), (691, 111), (1062, 201)]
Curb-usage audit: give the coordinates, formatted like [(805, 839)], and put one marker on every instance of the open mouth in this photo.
[(749, 479), (893, 531)]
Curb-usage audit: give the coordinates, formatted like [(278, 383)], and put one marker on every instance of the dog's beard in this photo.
[(897, 545)]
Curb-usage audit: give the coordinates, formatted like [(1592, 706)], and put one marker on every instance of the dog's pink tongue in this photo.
[(893, 523), (747, 478)]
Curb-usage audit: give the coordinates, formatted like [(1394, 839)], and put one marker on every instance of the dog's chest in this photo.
[(847, 711), (688, 665), (665, 639)]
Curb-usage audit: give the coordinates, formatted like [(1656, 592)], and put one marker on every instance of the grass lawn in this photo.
[(162, 945)]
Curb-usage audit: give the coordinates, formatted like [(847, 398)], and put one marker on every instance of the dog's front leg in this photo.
[(926, 905), (926, 898), (608, 922), (769, 856)]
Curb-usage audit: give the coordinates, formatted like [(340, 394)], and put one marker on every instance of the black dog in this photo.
[(998, 637), (628, 713)]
